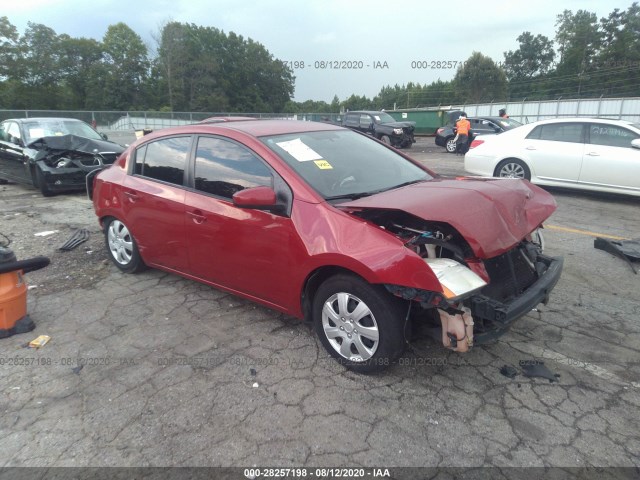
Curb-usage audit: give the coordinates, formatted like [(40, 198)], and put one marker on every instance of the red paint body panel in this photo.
[(268, 257)]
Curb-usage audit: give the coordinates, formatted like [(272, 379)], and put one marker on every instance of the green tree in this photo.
[(479, 79), (81, 67), (617, 65), (534, 57), (126, 59)]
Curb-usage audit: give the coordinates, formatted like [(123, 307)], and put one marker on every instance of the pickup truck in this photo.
[(382, 126)]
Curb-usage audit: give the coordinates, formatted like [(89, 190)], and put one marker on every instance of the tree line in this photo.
[(588, 58), (195, 69), (203, 69)]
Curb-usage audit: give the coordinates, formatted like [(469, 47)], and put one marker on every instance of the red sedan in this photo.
[(323, 223)]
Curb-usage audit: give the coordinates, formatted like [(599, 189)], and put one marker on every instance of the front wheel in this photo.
[(359, 324), (512, 168), (385, 139), (122, 247), (40, 183)]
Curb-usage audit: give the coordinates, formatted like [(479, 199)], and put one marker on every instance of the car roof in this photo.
[(256, 128), (226, 119), (612, 121), (370, 112), (40, 119)]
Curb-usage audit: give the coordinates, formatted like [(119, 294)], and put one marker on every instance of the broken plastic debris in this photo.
[(253, 372), (255, 385), (31, 287), (537, 369), (77, 369), (45, 233), (627, 250), (509, 371), (41, 341)]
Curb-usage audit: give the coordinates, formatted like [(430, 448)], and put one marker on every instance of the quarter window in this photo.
[(611, 136), (558, 132), (224, 168), (163, 160)]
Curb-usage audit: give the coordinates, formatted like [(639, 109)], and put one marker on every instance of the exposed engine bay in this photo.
[(475, 305), (71, 151), (70, 159)]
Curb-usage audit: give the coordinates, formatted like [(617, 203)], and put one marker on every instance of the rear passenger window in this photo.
[(558, 132), (224, 168), (163, 160), (611, 136)]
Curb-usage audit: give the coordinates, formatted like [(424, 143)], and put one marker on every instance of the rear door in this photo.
[(555, 151), (609, 159), (244, 249), (153, 201)]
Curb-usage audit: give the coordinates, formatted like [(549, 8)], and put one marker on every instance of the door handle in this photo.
[(593, 154), (197, 217), (133, 196)]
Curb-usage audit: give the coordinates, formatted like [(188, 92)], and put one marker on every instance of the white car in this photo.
[(583, 153)]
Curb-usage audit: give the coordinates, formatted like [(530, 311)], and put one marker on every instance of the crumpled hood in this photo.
[(493, 215), (76, 143)]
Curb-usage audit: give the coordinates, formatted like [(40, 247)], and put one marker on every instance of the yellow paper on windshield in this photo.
[(323, 164), (299, 150)]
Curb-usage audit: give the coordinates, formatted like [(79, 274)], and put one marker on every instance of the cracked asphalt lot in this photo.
[(175, 373)]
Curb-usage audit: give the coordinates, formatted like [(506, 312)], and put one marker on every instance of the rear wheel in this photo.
[(359, 324), (512, 168), (122, 247), (450, 145)]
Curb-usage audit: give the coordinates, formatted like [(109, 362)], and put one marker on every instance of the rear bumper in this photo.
[(501, 315)]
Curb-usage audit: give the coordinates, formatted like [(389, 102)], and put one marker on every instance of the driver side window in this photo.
[(13, 133)]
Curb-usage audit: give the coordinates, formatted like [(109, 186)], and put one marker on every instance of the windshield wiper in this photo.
[(350, 196), (411, 182)]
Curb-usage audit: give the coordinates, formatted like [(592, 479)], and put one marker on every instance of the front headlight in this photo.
[(397, 131), (457, 280)]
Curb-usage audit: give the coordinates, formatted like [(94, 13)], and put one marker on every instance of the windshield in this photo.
[(341, 164), (508, 123), (382, 117), (56, 127)]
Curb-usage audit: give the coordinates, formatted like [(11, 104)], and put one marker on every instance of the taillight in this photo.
[(476, 143)]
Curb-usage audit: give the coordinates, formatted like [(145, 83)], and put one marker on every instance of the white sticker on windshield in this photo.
[(36, 132), (299, 150), (376, 117)]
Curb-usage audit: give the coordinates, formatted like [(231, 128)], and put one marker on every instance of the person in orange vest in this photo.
[(463, 127)]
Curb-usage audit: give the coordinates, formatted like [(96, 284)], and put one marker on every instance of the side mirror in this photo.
[(104, 136), (260, 198), (635, 143)]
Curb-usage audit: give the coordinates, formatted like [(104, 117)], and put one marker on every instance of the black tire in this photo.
[(381, 314), (122, 247), (449, 145), (385, 139), (512, 168), (41, 184)]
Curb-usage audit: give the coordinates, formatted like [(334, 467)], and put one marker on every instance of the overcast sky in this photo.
[(368, 33)]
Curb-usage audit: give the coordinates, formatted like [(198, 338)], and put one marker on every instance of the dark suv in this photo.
[(479, 126), (382, 126)]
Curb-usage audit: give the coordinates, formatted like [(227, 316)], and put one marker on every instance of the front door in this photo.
[(244, 249)]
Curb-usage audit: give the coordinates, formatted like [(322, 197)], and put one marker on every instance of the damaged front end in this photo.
[(61, 163), (479, 298)]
